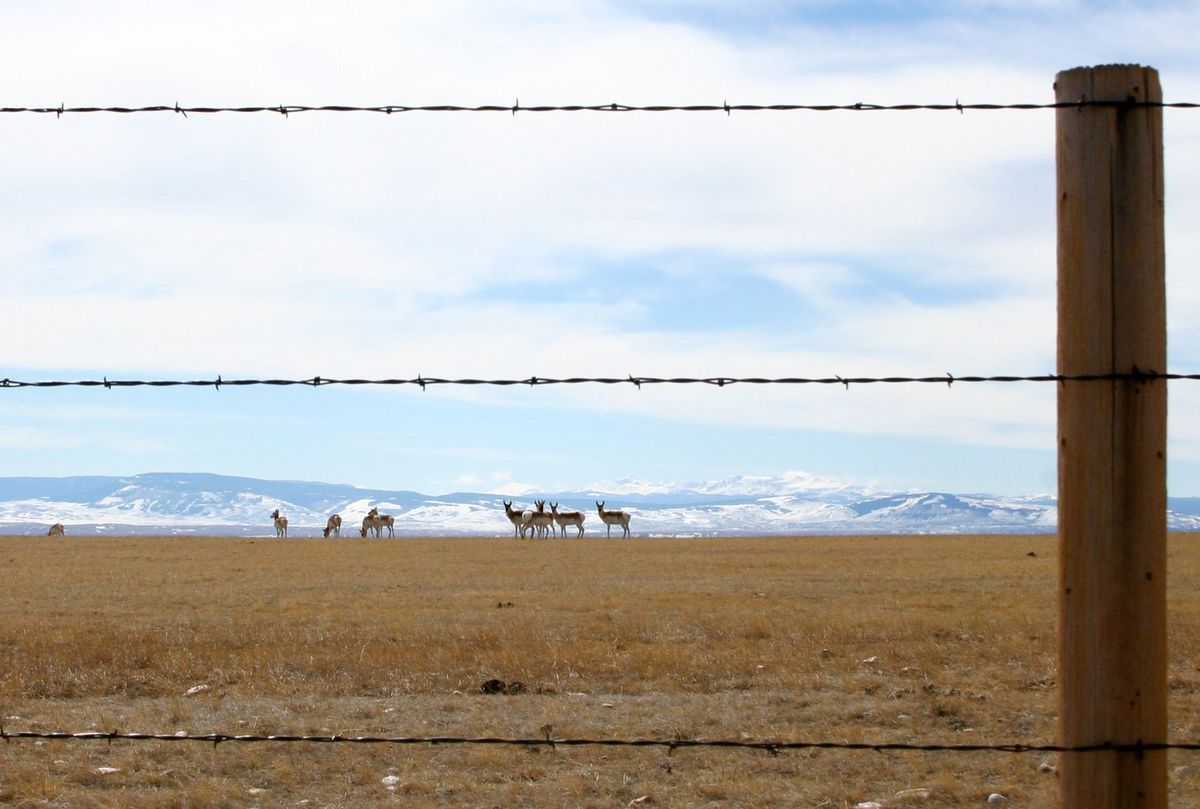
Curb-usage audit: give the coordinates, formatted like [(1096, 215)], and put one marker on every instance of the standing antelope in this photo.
[(334, 526), (381, 521), (611, 518), (57, 530), (519, 519), (565, 518), (541, 520), (280, 523)]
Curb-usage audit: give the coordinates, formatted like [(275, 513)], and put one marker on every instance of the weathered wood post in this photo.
[(1112, 667)]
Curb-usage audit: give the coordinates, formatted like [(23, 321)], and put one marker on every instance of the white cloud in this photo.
[(361, 245)]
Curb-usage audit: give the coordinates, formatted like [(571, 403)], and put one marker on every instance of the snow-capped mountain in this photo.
[(789, 483), (796, 503)]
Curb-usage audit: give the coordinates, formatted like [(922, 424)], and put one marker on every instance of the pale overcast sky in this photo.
[(564, 244)]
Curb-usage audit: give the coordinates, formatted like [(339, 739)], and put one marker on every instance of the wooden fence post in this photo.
[(1112, 662)]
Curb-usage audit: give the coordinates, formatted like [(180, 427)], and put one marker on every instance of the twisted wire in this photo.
[(771, 746), (286, 110), (424, 382)]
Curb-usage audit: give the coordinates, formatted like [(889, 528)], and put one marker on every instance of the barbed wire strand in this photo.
[(547, 741), (637, 381), (390, 109)]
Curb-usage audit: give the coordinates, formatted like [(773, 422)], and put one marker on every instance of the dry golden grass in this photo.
[(895, 639)]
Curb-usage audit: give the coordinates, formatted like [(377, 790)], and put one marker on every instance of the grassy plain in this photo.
[(891, 639)]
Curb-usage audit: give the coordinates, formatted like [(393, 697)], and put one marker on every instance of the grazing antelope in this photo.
[(280, 523), (565, 518), (57, 530), (541, 520), (370, 523), (611, 518), (334, 526)]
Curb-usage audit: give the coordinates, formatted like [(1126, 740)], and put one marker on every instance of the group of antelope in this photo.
[(373, 523), (541, 522)]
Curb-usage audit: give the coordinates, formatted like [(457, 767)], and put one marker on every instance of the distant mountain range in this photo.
[(795, 503)]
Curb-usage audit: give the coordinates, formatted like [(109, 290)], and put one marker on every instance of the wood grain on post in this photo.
[(1112, 668)]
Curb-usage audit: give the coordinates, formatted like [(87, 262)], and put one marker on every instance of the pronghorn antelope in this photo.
[(280, 523), (519, 519), (57, 530), (611, 518), (541, 520), (370, 523), (381, 521), (565, 518), (334, 526)]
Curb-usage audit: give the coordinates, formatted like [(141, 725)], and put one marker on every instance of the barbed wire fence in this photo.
[(773, 747), (770, 746)]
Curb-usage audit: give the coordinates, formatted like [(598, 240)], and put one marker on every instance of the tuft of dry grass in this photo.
[(891, 639)]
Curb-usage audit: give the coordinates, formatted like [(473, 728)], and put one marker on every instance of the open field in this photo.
[(893, 639)]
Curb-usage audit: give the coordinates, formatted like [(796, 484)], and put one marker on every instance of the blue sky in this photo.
[(757, 244)]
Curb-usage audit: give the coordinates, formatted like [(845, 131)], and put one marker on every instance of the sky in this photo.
[(771, 244)]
